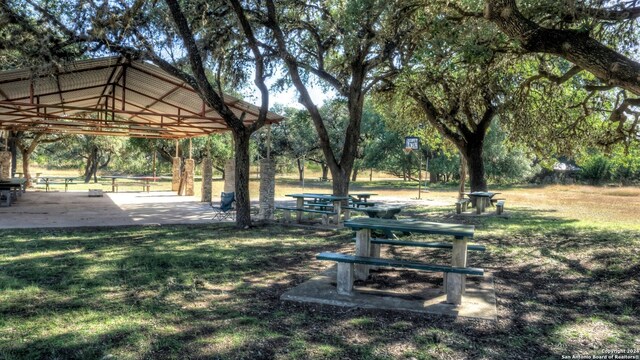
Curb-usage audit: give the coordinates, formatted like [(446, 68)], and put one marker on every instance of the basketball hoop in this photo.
[(407, 150)]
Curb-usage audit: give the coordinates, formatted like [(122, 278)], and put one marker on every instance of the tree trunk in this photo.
[(354, 174), (14, 151), (25, 166), (300, 165), (325, 171), (243, 201), (463, 177), (340, 183), (92, 164), (473, 157), (371, 174)]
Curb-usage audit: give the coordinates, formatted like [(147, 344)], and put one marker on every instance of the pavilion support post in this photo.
[(230, 176), (207, 178), (267, 188), (189, 172), (5, 164), (175, 174), (175, 170)]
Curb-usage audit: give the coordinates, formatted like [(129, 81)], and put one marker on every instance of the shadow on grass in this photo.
[(213, 292)]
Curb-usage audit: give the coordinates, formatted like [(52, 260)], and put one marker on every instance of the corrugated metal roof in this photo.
[(110, 96)]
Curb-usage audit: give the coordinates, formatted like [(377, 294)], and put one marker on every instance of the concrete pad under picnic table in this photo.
[(38, 209), (479, 300)]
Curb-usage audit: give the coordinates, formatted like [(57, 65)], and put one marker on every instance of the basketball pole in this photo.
[(420, 178)]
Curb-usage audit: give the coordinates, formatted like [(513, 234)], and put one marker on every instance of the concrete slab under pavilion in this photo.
[(36, 209)]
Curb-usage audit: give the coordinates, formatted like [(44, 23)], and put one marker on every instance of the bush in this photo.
[(596, 170)]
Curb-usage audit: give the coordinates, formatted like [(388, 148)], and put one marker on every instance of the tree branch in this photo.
[(608, 65)]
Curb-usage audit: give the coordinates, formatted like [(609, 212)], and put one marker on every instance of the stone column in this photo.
[(189, 172), (175, 173), (230, 176), (456, 282), (207, 177), (267, 188), (5, 165)]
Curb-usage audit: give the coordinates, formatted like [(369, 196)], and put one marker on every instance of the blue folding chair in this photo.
[(226, 210)]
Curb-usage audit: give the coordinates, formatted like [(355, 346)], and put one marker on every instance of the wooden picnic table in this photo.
[(145, 179), (379, 212), (481, 199), (49, 180), (362, 196), (11, 189), (460, 233), (336, 200)]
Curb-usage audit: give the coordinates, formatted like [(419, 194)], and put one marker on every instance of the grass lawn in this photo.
[(564, 285)]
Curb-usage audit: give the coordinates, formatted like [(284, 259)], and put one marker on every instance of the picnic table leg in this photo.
[(337, 207), (7, 197), (299, 205), (345, 279), (456, 282), (479, 205), (363, 242), (374, 253)]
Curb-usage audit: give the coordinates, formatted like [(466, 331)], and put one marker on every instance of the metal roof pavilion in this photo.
[(111, 96)]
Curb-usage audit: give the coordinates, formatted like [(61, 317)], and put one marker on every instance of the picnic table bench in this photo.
[(500, 206), (144, 181), (478, 199), (9, 192), (322, 199), (433, 245), (357, 266), (288, 210), (57, 180)]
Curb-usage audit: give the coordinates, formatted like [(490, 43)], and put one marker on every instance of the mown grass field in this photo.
[(566, 271)]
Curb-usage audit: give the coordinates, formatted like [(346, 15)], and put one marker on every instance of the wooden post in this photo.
[(363, 242), (190, 149)]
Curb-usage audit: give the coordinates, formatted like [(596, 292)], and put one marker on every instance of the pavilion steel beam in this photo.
[(144, 113), (102, 67), (141, 117), (182, 130), (109, 81), (230, 104), (161, 98), (199, 130), (56, 92), (82, 127)]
